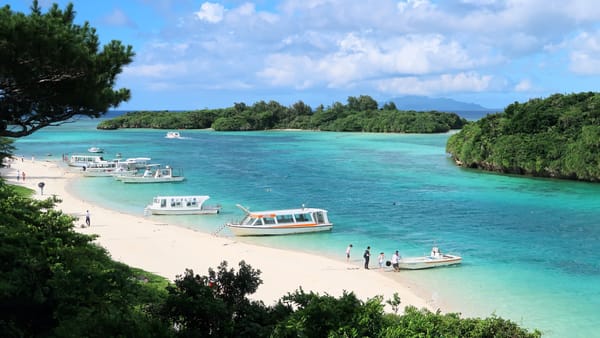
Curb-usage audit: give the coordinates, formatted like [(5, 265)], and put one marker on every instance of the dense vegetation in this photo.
[(554, 137), (52, 69), (55, 282), (359, 114)]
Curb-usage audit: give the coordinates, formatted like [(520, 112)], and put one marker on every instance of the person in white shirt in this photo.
[(396, 261)]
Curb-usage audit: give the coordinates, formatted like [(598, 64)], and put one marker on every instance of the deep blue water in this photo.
[(530, 246)]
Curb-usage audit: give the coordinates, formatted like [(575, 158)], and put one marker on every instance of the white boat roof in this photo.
[(138, 159), (185, 196), (284, 211)]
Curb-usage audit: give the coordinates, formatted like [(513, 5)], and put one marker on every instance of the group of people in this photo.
[(395, 260)]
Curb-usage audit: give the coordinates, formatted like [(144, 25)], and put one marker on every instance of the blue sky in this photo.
[(210, 54)]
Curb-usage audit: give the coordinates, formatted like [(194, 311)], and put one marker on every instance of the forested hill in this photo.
[(360, 114), (554, 137)]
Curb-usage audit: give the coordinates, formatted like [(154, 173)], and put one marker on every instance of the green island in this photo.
[(557, 137), (360, 114)]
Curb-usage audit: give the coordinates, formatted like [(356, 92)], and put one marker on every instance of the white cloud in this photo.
[(404, 6), (157, 70), (445, 83), (118, 18), (585, 54), (211, 12), (523, 86)]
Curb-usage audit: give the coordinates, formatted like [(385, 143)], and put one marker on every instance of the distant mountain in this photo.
[(420, 103)]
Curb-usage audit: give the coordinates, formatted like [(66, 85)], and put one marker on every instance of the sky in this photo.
[(211, 54)]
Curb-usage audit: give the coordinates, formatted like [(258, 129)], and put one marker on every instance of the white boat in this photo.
[(140, 162), (108, 168), (281, 222), (84, 160), (152, 174), (181, 205), (435, 259), (95, 150), (173, 134)]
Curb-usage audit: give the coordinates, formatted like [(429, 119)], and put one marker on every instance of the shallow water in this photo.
[(529, 246)]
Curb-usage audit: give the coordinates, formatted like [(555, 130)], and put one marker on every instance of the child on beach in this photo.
[(381, 259)]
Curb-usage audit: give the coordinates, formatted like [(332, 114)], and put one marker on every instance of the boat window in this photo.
[(285, 219), (247, 220), (163, 203), (269, 220), (319, 217), (302, 217), (258, 222)]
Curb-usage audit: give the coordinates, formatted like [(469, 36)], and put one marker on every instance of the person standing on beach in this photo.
[(348, 252), (87, 218), (367, 256), (381, 259), (23, 175), (18, 175), (396, 261)]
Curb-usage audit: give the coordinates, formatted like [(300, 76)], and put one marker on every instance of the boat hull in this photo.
[(239, 230), (428, 262), (133, 179)]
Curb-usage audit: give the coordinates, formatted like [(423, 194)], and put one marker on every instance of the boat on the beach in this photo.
[(173, 134), (181, 205), (433, 260), (281, 222), (95, 150), (153, 174)]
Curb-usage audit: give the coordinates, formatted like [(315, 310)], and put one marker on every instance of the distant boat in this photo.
[(173, 134), (281, 222), (95, 150), (435, 259), (181, 205)]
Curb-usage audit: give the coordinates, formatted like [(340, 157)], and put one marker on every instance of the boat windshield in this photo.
[(320, 217), (249, 220), (304, 217)]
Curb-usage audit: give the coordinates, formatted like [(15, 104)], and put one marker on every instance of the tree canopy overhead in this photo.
[(52, 70)]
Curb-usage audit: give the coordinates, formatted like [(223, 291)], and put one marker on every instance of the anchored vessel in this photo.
[(181, 205), (153, 174), (435, 259), (281, 222)]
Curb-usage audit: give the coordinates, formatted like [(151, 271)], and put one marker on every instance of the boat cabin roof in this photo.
[(284, 212), (185, 197)]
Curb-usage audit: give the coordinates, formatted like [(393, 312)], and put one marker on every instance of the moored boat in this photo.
[(153, 174), (281, 222), (84, 160), (108, 168), (95, 150), (435, 259), (181, 205)]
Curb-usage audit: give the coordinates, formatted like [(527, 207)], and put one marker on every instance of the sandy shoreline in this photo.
[(168, 250)]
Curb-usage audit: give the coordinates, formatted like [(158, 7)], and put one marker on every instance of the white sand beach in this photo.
[(168, 250)]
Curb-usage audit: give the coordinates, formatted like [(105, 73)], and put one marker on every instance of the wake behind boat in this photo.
[(181, 205), (173, 134), (281, 222), (435, 259)]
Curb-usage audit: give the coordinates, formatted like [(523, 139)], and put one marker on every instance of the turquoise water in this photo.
[(530, 247)]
